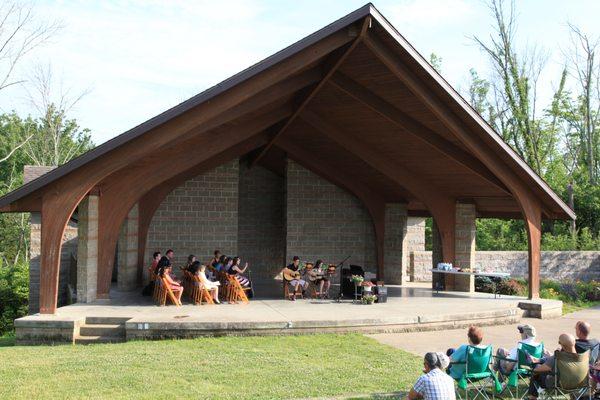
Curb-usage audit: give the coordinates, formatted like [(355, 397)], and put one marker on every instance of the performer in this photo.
[(164, 271), (236, 269), (322, 279), (212, 287), (152, 268), (296, 282)]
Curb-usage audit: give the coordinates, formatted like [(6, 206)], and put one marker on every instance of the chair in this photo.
[(237, 292), (286, 291), (164, 292), (478, 373), (521, 373), (199, 292), (571, 377)]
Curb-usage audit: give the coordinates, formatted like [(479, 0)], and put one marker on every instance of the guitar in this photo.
[(290, 275)]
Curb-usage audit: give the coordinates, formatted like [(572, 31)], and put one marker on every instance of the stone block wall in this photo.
[(261, 225), (198, 217), (326, 222), (464, 250), (557, 265)]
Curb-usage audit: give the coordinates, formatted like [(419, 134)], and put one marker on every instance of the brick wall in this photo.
[(324, 221), (261, 225), (198, 217), (557, 265), (464, 250)]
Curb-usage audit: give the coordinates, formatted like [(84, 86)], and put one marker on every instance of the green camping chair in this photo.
[(571, 377), (478, 374), (521, 373)]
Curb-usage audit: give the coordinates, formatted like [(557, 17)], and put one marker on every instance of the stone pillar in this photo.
[(437, 280), (35, 248), (127, 252), (87, 249), (395, 254), (415, 241), (464, 253)]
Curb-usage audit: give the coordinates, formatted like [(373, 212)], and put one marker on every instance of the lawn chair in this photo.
[(521, 373), (571, 377), (478, 374)]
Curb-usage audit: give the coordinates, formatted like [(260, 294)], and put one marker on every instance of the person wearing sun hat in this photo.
[(528, 335)]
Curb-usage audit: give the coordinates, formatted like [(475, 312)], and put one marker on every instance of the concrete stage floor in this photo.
[(408, 308)]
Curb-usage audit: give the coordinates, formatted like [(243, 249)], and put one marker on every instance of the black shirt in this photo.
[(583, 345), (293, 267)]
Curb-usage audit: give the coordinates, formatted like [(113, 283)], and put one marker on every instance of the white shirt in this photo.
[(513, 352)]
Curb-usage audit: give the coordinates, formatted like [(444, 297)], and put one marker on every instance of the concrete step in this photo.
[(117, 330), (99, 339), (106, 320)]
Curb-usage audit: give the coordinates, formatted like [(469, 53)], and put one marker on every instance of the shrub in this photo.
[(14, 294), (510, 287)]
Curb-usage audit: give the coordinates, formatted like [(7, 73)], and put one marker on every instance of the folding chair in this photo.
[(199, 293), (478, 374), (286, 291), (164, 292), (237, 292), (521, 373), (570, 376)]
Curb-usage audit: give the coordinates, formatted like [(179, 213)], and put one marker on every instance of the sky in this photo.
[(137, 58)]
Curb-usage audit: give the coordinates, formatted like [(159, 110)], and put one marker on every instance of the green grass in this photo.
[(275, 367), (569, 306), (7, 339)]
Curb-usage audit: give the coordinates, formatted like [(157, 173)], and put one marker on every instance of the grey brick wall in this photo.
[(324, 221), (261, 225), (198, 217)]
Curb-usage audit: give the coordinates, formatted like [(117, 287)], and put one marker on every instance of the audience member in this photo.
[(434, 384), (475, 337), (583, 342), (542, 373), (527, 333)]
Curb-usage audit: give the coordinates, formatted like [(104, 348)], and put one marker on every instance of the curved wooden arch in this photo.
[(122, 190), (530, 206)]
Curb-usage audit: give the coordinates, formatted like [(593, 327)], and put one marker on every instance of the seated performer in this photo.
[(297, 282), (155, 259), (322, 279), (212, 287), (236, 269), (164, 271), (190, 260), (215, 260)]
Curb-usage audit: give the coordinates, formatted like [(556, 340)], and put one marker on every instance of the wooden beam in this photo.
[(413, 127), (335, 65), (436, 202)]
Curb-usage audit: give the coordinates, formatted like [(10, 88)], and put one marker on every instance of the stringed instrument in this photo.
[(316, 274), (290, 275)]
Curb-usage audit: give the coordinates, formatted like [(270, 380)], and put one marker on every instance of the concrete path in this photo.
[(499, 336)]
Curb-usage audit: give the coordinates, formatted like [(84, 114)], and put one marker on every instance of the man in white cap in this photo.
[(528, 334)]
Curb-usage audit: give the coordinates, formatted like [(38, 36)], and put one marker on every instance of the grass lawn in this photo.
[(277, 367), (569, 307)]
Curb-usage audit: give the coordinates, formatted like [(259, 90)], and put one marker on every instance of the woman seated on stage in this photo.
[(190, 260), (322, 280), (154, 266), (236, 269), (212, 287), (164, 271)]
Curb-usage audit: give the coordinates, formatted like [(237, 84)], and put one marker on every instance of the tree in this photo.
[(514, 83)]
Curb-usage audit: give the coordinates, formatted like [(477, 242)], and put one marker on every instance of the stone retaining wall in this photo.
[(558, 265)]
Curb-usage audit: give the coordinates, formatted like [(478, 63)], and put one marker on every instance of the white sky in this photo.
[(138, 58)]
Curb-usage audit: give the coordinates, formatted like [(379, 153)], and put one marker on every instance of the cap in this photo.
[(527, 329)]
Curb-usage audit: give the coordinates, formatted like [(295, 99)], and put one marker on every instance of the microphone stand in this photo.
[(341, 265)]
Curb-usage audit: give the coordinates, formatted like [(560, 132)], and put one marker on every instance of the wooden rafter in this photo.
[(413, 127), (335, 65)]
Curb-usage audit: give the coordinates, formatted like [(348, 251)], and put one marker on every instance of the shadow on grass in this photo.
[(7, 340)]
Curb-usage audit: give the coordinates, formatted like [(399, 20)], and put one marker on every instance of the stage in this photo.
[(129, 316)]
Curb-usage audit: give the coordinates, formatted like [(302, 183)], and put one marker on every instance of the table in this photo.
[(461, 273)]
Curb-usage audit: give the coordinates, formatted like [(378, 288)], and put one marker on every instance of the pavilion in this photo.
[(354, 104)]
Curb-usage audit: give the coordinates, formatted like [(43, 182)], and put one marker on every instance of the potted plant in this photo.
[(368, 298), (357, 279)]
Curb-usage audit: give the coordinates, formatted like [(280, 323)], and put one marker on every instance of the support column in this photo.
[(395, 256), (35, 249), (464, 250), (127, 269), (533, 223), (415, 241), (87, 249)]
